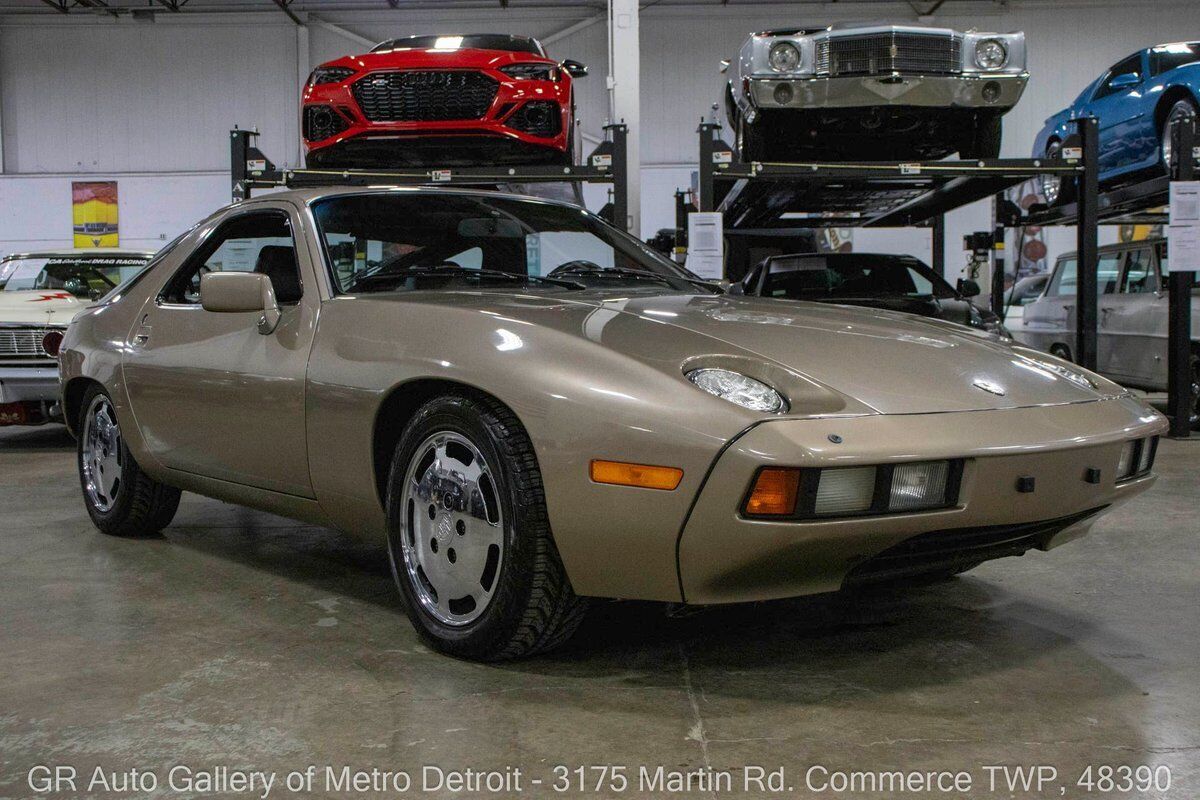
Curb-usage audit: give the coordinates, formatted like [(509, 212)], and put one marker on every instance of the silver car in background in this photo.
[(1132, 334), (873, 92)]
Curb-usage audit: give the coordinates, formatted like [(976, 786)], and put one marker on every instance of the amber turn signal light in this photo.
[(774, 493), (621, 473)]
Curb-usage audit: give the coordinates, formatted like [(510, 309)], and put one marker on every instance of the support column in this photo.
[(303, 67), (1179, 289), (1086, 299), (938, 233), (624, 83), (999, 259), (1, 138)]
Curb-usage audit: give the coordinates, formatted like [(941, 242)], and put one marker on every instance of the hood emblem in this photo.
[(988, 386)]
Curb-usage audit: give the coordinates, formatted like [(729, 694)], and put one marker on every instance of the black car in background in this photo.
[(874, 280)]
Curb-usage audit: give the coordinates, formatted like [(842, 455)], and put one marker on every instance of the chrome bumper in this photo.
[(942, 91), (21, 384)]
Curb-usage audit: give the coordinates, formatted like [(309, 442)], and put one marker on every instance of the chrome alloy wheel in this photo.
[(451, 529), (1052, 184), (101, 455)]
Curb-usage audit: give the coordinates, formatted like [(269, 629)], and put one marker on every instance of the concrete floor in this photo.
[(240, 639)]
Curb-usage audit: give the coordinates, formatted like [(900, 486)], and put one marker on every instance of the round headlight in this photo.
[(784, 57), (991, 54), (738, 389)]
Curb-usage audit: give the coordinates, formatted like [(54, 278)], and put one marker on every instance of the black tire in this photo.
[(984, 139), (1061, 351), (751, 143), (1181, 108), (532, 607), (1066, 186), (138, 506)]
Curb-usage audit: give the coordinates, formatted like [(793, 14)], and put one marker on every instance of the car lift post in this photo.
[(1087, 266), (998, 266), (938, 233), (618, 134), (1179, 293), (706, 201)]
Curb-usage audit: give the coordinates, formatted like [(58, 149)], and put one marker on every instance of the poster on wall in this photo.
[(94, 213)]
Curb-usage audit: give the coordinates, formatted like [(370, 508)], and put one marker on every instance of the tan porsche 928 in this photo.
[(534, 409)]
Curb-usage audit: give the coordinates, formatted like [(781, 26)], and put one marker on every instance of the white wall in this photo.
[(91, 97)]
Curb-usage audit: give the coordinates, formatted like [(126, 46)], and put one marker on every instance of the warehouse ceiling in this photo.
[(147, 9)]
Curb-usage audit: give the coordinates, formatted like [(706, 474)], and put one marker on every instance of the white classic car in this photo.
[(873, 92), (39, 294)]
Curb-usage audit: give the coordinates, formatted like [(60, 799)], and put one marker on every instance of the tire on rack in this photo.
[(1181, 108), (121, 499), (983, 141), (1055, 189), (469, 537)]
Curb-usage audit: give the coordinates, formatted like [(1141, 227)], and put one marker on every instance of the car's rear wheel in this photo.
[(121, 499), (1166, 149), (469, 537)]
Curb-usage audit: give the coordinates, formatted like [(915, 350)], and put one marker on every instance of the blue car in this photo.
[(1136, 100)]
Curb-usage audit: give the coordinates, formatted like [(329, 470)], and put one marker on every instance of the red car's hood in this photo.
[(437, 59)]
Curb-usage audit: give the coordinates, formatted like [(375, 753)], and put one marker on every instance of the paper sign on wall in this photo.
[(1184, 231), (706, 244)]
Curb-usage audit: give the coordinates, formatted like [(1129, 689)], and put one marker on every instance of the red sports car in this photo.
[(441, 101)]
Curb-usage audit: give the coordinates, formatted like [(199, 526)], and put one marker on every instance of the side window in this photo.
[(1063, 283), (1139, 273), (1108, 271), (1130, 66), (257, 242), (921, 284)]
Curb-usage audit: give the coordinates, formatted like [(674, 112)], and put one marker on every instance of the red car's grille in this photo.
[(424, 96)]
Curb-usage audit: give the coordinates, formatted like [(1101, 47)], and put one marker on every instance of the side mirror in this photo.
[(574, 68), (241, 293), (968, 288), (1124, 80), (725, 62)]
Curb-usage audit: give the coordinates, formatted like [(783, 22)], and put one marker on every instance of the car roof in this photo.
[(1110, 248), (68, 252)]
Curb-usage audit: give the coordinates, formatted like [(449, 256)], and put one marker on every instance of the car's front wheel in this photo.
[(1056, 189), (469, 537), (121, 499), (983, 141)]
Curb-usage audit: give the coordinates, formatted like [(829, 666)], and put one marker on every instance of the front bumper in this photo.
[(28, 384), (940, 91), (724, 557)]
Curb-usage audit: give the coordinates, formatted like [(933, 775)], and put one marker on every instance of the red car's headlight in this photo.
[(531, 72), (323, 75)]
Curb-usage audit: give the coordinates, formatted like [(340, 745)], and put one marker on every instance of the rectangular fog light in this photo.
[(920, 485), (845, 491), (1146, 457), (1127, 465)]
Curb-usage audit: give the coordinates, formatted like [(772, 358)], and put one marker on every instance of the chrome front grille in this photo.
[(885, 53), (22, 343)]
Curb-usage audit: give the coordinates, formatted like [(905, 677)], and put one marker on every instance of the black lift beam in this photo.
[(250, 169)]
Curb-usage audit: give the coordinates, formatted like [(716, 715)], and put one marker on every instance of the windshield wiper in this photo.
[(396, 277), (637, 274)]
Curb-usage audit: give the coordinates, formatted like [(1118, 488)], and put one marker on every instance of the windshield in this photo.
[(473, 41), (410, 241), (1167, 57), (83, 276), (814, 277)]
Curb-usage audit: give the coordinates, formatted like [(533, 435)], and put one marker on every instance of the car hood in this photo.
[(437, 59), (943, 308), (890, 362), (39, 307)]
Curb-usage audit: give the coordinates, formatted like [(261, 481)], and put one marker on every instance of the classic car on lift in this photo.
[(872, 92), (533, 408), (39, 293), (872, 280), (447, 100), (1136, 101)]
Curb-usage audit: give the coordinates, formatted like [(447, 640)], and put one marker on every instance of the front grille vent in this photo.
[(22, 343), (884, 53), (424, 96)]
